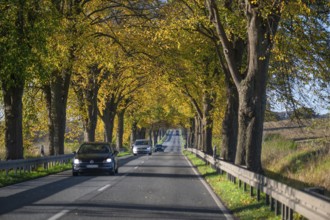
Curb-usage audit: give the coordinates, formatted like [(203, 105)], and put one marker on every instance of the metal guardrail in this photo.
[(27, 165), (282, 198)]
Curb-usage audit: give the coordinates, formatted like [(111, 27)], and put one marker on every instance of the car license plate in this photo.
[(92, 166)]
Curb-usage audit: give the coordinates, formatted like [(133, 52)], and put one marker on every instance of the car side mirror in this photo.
[(74, 152), (116, 152)]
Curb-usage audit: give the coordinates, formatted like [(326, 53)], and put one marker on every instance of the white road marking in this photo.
[(224, 210), (103, 188), (59, 215)]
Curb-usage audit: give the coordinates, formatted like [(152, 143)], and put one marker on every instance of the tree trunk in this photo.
[(87, 100), (108, 117), (120, 129), (56, 96), (252, 90), (230, 123), (207, 123), (155, 136), (191, 139), (13, 120), (133, 132)]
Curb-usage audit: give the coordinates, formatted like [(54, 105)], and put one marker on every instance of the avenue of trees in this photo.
[(117, 70)]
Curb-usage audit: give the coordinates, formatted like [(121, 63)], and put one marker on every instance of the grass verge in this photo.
[(13, 177), (239, 202)]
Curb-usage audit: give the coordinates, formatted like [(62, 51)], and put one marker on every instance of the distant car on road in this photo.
[(142, 146), (95, 157), (159, 148)]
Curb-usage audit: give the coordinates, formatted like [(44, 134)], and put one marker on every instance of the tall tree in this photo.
[(261, 28), (57, 88), (19, 45)]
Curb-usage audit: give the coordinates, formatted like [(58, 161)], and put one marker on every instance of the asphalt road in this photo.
[(161, 186)]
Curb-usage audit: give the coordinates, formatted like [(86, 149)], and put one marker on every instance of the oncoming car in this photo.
[(142, 146), (159, 148), (95, 157)]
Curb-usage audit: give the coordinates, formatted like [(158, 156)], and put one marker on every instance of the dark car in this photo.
[(159, 148), (95, 157)]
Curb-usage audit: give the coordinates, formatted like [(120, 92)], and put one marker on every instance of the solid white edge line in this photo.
[(59, 215), (224, 210), (104, 187)]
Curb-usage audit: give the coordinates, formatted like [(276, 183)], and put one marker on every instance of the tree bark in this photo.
[(120, 129), (56, 97), (207, 123), (190, 135), (133, 132), (108, 118), (87, 100), (155, 133), (141, 133), (13, 120), (230, 123), (252, 90)]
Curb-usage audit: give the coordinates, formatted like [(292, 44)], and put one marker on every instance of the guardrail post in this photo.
[(214, 151), (277, 207), (290, 214), (284, 212), (272, 205), (244, 187), (251, 191), (258, 194), (267, 199)]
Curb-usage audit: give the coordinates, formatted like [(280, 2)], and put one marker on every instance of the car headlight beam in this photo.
[(108, 160)]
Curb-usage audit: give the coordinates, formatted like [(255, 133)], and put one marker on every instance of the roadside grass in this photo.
[(299, 165), (124, 153), (13, 178), (236, 200)]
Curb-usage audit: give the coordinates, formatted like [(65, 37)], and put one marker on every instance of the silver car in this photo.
[(142, 146)]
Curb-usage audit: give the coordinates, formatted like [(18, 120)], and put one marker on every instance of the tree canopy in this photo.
[(125, 67)]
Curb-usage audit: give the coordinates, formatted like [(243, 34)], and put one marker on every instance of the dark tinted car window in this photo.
[(141, 143), (93, 149)]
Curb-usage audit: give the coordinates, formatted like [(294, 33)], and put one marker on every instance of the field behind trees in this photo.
[(298, 152)]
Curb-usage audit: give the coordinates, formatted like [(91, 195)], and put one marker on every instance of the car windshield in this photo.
[(93, 149), (142, 143)]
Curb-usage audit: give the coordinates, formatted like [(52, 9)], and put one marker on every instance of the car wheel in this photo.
[(74, 173), (116, 171), (134, 154), (150, 153)]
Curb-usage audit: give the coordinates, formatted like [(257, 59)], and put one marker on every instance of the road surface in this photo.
[(161, 186)]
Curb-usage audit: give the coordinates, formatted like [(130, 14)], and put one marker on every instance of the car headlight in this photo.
[(108, 160), (76, 161)]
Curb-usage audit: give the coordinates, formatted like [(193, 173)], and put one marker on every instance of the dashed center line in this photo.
[(104, 187), (59, 215)]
